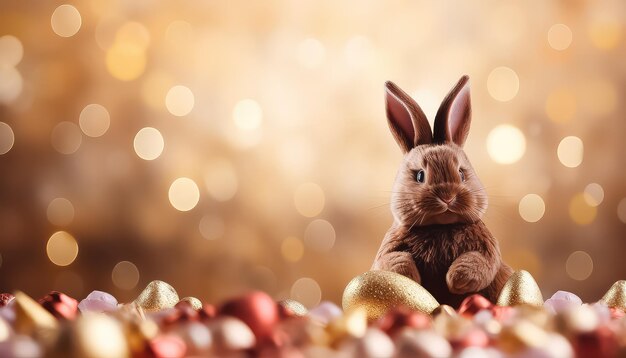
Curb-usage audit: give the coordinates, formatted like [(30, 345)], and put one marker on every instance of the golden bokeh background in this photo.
[(227, 145)]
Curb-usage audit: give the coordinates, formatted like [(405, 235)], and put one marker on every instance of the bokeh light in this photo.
[(125, 60), (570, 151), (320, 235), (11, 51), (594, 194), (605, 30), (506, 144), (292, 249), (306, 291), (503, 84), (579, 265), (531, 208), (62, 248), (148, 143), (94, 120), (60, 212), (621, 210), (580, 211), (309, 199), (66, 138), (179, 101), (559, 36), (66, 20), (184, 194), (247, 114), (11, 84), (133, 33), (125, 275), (7, 138)]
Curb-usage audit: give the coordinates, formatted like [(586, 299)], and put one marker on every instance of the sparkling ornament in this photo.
[(379, 291), (5, 298), (520, 289), (31, 318), (521, 335), (352, 324), (290, 308), (157, 296), (60, 305), (196, 304), (98, 301), (257, 309), (616, 295), (562, 300)]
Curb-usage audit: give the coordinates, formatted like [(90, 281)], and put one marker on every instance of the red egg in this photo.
[(474, 303), (257, 309), (60, 305), (395, 320)]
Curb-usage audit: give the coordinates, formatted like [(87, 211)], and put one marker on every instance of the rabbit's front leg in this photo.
[(398, 262), (471, 272)]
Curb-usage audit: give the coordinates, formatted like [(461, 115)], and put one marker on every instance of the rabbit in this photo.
[(438, 238)]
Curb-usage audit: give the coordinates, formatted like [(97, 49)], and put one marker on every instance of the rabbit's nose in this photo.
[(447, 198)]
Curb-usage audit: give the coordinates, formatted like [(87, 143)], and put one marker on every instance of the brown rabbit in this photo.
[(437, 237)]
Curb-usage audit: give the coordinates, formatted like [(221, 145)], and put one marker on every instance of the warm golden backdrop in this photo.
[(228, 145)]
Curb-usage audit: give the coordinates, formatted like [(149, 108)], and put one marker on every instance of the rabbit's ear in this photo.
[(453, 118), (407, 122)]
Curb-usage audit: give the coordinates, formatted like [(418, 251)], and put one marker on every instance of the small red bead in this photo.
[(256, 309), (60, 305)]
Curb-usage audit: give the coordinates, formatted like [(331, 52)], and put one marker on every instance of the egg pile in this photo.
[(159, 324)]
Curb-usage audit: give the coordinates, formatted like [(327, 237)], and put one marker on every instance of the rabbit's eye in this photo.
[(462, 174), (420, 176)]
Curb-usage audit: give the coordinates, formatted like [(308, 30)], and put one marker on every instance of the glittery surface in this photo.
[(520, 289), (616, 295), (379, 291), (195, 303), (157, 296), (30, 316), (294, 306)]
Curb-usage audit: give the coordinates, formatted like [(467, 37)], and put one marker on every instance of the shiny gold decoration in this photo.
[(195, 303), (616, 295), (294, 306), (520, 289), (156, 296), (444, 310), (379, 291), (97, 335), (352, 324), (31, 317), (520, 335)]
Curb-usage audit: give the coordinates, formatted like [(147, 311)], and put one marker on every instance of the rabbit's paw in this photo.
[(467, 274)]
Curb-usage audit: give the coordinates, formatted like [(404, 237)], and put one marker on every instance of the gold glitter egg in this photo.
[(616, 295), (294, 306), (520, 289), (195, 303), (31, 317), (379, 291), (156, 296)]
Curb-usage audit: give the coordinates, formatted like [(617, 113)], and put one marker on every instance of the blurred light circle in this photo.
[(570, 151), (125, 61), (594, 194), (94, 120), (605, 30), (184, 194), (60, 212), (62, 248), (11, 84), (221, 180), (503, 84), (506, 144), (11, 51), (211, 227), (309, 199), (559, 36), (148, 143), (306, 291), (292, 249), (7, 138), (579, 265), (179, 101), (532, 208), (580, 211), (66, 20), (125, 275), (247, 114), (66, 138), (311, 53), (320, 235), (621, 210), (133, 33), (561, 105)]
